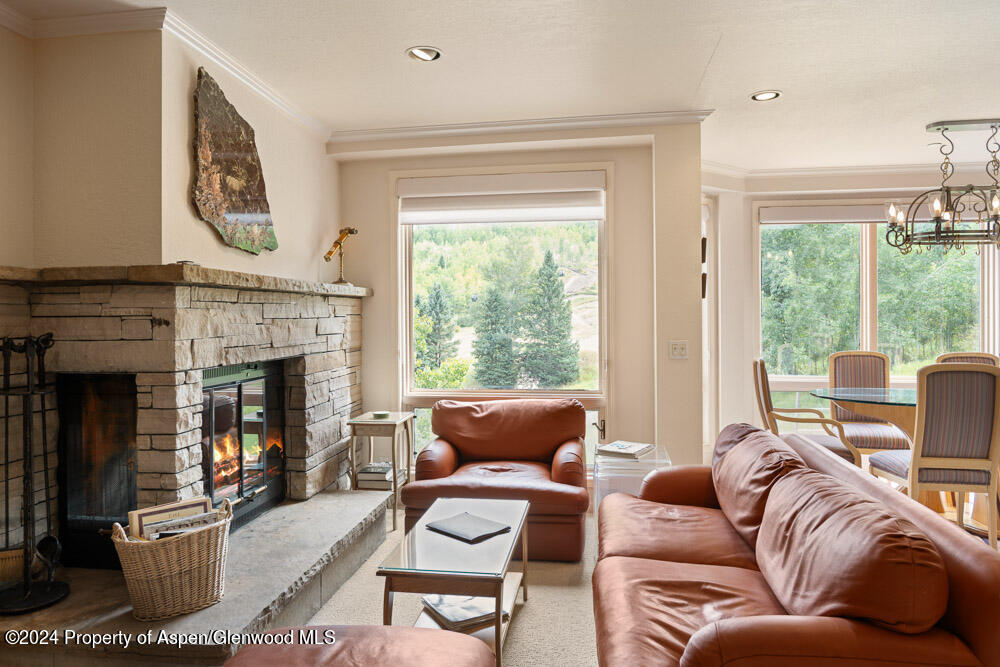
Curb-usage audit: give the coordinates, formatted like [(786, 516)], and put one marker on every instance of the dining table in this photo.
[(898, 406)]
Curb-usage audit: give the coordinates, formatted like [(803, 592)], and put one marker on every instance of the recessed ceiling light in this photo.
[(424, 54), (765, 95)]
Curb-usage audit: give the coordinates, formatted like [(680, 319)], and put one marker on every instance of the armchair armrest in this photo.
[(568, 466), (680, 485), (438, 459), (764, 641), (827, 425)]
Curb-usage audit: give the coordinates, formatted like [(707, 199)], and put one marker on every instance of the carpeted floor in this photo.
[(554, 629)]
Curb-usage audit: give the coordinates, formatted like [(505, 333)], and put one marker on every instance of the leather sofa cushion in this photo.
[(744, 475), (524, 429), (646, 610), (827, 550), (630, 526), (524, 480), (731, 436), (370, 645)]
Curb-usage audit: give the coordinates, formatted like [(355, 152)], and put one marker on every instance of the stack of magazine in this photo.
[(624, 449), (172, 519), (462, 613), (377, 475)]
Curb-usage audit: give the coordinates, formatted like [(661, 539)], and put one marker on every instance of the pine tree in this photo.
[(551, 356), (439, 342), (496, 363)]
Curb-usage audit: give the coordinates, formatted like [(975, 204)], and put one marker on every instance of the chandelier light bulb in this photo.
[(935, 207), (995, 204), (892, 212)]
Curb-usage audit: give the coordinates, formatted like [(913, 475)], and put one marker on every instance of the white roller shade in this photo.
[(523, 197), (792, 215)]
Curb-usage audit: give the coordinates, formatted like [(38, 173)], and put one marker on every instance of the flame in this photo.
[(227, 459)]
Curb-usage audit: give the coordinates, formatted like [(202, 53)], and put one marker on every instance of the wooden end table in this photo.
[(393, 426), (429, 562)]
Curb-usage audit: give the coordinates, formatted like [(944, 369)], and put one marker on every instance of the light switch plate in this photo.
[(678, 349)]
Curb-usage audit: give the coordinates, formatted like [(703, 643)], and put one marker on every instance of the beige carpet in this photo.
[(554, 628)]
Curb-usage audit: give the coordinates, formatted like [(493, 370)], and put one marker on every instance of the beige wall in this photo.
[(650, 398), (301, 180), (97, 138), (16, 150)]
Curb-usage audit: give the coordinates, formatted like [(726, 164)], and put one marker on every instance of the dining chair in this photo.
[(832, 437), (867, 370), (969, 358), (956, 445)]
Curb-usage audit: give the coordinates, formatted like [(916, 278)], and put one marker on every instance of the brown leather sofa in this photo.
[(361, 645), (781, 553), (528, 449)]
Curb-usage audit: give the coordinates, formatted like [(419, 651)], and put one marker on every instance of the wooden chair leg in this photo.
[(960, 509), (993, 511)]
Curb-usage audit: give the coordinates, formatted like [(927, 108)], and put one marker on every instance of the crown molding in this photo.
[(158, 18), (187, 34), (531, 125), (16, 21), (723, 169), (97, 24)]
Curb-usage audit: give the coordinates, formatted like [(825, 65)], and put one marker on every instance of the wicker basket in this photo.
[(11, 564), (175, 575)]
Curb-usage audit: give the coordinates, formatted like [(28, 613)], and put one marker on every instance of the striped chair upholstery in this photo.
[(875, 435), (858, 369), (957, 418), (969, 358), (828, 438)]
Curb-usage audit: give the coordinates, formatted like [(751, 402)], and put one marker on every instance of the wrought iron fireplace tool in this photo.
[(28, 595)]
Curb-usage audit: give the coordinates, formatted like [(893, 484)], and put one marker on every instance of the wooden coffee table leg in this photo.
[(498, 628), (387, 602)]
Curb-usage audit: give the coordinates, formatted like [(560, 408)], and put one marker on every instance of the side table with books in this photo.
[(620, 466), (385, 475)]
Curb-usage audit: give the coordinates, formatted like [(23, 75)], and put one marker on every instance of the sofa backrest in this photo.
[(516, 430), (747, 464), (973, 569), (827, 549)]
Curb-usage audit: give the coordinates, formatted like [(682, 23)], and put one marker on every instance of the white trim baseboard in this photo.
[(529, 125)]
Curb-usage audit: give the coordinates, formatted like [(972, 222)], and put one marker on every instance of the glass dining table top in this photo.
[(891, 396), (424, 551)]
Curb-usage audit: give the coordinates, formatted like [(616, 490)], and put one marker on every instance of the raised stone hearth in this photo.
[(166, 324), (282, 568)]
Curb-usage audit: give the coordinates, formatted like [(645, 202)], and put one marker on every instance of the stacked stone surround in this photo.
[(123, 320)]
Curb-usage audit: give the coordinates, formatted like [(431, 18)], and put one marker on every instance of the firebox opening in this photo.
[(97, 464), (243, 457)]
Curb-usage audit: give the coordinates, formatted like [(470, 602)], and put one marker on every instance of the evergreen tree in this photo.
[(496, 363), (439, 342), (551, 356)]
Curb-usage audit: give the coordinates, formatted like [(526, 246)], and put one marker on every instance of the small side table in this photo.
[(617, 474), (396, 424)]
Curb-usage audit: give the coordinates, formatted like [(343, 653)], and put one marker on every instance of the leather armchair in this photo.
[(517, 449)]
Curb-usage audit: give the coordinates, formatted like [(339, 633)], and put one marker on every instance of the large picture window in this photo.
[(830, 282), (504, 285)]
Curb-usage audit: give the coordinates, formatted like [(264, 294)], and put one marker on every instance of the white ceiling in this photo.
[(861, 78)]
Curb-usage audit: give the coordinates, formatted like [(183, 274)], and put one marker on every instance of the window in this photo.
[(830, 282), (504, 285)]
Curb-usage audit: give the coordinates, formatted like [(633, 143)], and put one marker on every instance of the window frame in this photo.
[(989, 289), (593, 400)]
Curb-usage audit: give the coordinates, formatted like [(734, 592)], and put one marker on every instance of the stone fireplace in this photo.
[(179, 345)]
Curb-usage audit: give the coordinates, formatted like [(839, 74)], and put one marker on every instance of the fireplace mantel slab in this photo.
[(174, 274), (282, 568)]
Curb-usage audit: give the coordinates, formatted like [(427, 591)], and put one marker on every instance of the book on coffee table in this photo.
[(462, 613), (468, 527), (624, 449)]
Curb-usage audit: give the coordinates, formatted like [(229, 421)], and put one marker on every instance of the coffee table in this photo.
[(429, 562)]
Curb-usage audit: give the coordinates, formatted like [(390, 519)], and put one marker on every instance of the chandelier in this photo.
[(951, 216)]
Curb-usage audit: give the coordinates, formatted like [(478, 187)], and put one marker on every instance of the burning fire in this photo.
[(227, 459)]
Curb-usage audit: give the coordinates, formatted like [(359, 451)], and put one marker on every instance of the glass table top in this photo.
[(424, 551), (864, 395)]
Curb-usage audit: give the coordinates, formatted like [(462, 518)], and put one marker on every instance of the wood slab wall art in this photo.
[(229, 188)]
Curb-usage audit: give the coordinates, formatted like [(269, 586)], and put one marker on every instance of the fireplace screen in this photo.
[(242, 425)]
